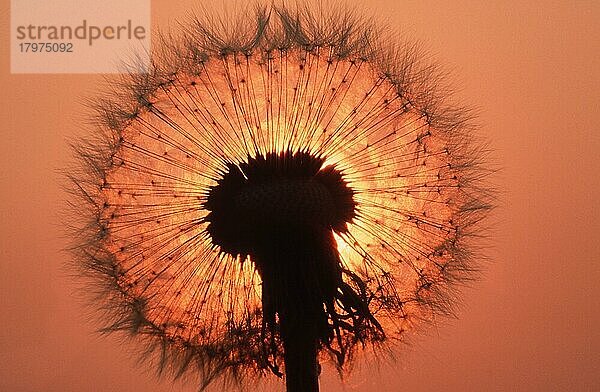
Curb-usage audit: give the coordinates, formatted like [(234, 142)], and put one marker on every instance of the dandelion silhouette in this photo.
[(277, 193)]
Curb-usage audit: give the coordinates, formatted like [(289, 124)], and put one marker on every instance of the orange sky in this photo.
[(534, 73)]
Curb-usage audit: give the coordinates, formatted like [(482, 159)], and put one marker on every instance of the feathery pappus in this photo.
[(294, 188)]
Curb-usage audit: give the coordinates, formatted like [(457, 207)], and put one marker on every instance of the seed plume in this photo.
[(298, 183)]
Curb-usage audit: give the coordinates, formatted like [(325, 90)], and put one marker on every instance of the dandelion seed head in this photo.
[(298, 122)]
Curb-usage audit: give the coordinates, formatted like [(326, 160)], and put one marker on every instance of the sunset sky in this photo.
[(532, 71)]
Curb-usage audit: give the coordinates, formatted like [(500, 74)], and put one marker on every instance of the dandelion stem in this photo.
[(299, 273), (300, 345)]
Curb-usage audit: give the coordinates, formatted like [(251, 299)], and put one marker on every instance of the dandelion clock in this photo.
[(276, 194)]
